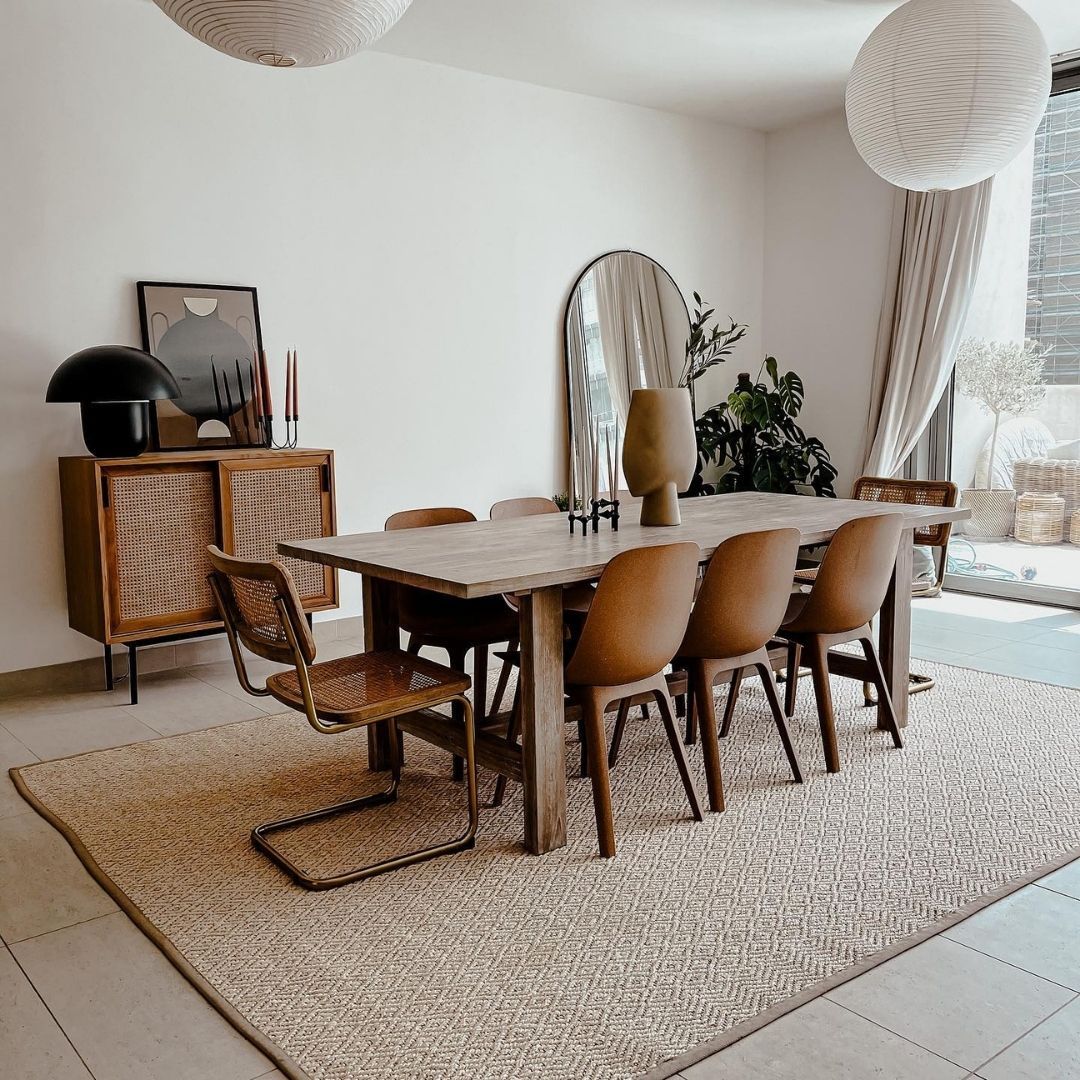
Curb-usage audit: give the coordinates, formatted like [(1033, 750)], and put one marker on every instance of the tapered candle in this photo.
[(610, 464), (596, 461), (288, 384), (268, 397), (295, 388), (570, 500), (618, 461), (255, 375)]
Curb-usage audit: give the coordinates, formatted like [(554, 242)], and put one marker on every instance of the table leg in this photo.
[(543, 744), (894, 632), (381, 631)]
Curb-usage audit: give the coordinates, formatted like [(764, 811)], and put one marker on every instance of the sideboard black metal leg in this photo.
[(133, 673), (109, 681)]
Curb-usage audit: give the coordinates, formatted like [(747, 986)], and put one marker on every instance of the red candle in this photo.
[(288, 385), (256, 387), (268, 398)]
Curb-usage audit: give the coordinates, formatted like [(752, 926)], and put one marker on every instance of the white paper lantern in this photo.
[(286, 33), (947, 92)]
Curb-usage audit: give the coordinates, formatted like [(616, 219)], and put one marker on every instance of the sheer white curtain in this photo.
[(580, 405), (934, 254), (631, 327)]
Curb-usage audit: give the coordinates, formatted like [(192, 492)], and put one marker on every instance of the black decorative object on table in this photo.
[(114, 384), (605, 508)]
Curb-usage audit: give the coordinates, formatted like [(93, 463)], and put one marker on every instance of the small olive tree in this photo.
[(1003, 377)]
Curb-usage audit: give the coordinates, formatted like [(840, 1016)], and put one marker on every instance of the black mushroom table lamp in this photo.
[(114, 384)]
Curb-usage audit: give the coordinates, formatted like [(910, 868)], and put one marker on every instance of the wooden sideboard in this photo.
[(136, 531)]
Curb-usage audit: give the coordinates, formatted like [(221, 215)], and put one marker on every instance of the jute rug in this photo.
[(495, 964)]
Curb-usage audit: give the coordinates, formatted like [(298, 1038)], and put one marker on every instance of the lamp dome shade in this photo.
[(945, 93), (286, 33), (111, 373)]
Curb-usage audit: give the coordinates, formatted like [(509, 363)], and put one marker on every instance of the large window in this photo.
[(1021, 475)]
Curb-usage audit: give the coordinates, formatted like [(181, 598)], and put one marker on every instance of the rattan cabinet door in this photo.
[(158, 523), (266, 504)]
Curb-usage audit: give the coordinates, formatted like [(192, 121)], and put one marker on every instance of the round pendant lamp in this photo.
[(945, 93), (286, 33)]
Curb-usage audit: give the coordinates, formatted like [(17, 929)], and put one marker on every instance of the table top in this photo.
[(516, 555)]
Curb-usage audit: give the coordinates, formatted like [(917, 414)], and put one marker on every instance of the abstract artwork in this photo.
[(208, 336)]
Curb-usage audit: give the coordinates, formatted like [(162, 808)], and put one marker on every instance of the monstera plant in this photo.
[(753, 436)]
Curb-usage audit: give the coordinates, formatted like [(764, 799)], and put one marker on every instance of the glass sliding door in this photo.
[(1011, 421)]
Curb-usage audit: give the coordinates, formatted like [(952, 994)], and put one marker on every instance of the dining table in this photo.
[(533, 559)]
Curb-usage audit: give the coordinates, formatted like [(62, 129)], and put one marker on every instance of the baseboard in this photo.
[(80, 675)]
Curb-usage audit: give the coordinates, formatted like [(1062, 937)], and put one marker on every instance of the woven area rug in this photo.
[(495, 964)]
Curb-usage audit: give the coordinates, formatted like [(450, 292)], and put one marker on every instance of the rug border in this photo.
[(665, 1070), (217, 1001)]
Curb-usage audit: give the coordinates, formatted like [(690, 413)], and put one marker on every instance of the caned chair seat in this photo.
[(370, 686), (807, 576)]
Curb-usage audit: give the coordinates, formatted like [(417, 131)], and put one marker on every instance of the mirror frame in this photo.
[(568, 389)]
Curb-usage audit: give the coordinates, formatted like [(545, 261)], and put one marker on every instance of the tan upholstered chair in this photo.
[(450, 623), (847, 593), (633, 629), (261, 610), (739, 607)]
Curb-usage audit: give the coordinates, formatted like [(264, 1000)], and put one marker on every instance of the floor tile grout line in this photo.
[(1064, 1005), (1057, 892), (56, 1020), (904, 1038), (20, 742), (1017, 967), (68, 926)]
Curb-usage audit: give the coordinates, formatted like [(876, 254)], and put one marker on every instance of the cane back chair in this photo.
[(261, 610)]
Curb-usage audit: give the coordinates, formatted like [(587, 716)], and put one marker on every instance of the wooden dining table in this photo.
[(533, 558)]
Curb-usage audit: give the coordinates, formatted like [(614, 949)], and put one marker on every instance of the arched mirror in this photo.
[(626, 328)]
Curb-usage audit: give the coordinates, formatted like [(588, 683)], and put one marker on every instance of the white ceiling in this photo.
[(756, 63)]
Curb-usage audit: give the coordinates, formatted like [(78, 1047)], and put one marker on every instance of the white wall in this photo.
[(826, 250), (412, 229)]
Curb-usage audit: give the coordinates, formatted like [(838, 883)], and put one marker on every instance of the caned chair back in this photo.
[(638, 616), (255, 600), (743, 596), (914, 493), (531, 506), (853, 577)]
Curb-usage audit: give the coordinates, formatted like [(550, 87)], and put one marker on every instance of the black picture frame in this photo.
[(172, 427)]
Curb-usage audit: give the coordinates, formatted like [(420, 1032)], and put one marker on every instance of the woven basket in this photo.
[(991, 512), (1040, 519), (1074, 527), (1049, 475)]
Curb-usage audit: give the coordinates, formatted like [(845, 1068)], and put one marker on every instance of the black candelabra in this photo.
[(573, 517), (605, 508)]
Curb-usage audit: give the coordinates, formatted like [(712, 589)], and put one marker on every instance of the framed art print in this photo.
[(208, 336)]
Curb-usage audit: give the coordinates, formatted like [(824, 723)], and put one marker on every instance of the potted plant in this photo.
[(1002, 377), (753, 434)]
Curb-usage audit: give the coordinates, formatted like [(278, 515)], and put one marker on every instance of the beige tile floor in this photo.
[(84, 995)]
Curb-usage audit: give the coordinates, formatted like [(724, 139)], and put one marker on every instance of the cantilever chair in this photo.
[(935, 537), (847, 593), (261, 609), (450, 623), (740, 605)]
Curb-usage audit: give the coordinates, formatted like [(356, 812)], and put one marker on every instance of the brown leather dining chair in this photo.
[(450, 623), (935, 537), (576, 598), (634, 626), (261, 610), (739, 608), (847, 593)]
